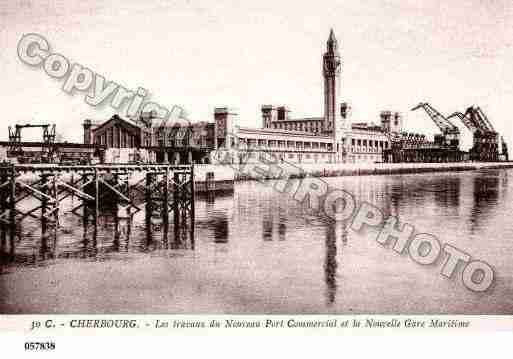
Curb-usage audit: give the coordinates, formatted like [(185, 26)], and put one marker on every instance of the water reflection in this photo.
[(217, 222), (82, 237), (255, 228), (486, 188), (335, 232), (118, 233), (122, 233), (220, 226), (267, 225), (330, 268), (447, 193), (89, 242), (282, 223)]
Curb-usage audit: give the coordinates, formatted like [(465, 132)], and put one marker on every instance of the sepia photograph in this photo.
[(271, 158)]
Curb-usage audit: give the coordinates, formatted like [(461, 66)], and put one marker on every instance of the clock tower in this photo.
[(332, 64), (225, 127)]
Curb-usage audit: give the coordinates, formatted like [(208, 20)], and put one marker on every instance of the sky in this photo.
[(243, 54)]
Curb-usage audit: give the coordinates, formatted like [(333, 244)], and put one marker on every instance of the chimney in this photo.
[(283, 113), (345, 110), (88, 132), (269, 115)]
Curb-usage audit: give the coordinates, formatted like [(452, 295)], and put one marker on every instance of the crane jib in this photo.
[(443, 123)]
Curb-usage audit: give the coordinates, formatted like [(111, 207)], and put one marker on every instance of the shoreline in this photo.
[(223, 177), (346, 170)]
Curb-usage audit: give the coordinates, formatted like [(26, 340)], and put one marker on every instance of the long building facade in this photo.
[(330, 138)]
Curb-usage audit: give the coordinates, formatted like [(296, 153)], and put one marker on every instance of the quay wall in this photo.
[(350, 169), (223, 176)]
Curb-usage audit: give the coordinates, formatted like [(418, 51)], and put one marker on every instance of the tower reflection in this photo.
[(267, 225), (334, 232), (282, 223)]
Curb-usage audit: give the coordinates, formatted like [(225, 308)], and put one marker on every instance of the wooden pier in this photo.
[(164, 192)]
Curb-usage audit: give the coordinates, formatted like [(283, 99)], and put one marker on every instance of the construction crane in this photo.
[(468, 121), (47, 146), (450, 136), (486, 139), (475, 119)]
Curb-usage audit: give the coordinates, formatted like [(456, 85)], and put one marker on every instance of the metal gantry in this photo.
[(166, 193), (450, 135), (485, 138), (48, 144)]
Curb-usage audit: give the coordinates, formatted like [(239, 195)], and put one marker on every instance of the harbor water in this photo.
[(260, 251)]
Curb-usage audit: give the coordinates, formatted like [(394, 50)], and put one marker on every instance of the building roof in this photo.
[(116, 118), (364, 126), (282, 132), (301, 119), (58, 144)]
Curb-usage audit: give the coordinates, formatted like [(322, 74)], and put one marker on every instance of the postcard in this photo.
[(244, 168)]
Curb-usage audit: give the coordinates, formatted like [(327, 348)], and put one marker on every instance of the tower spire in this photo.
[(332, 35), (332, 42), (333, 121)]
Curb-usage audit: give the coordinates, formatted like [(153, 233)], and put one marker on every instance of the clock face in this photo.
[(331, 64)]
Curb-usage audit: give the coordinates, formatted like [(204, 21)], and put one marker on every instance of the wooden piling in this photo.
[(192, 204), (55, 189), (50, 190), (165, 204), (117, 235), (149, 205), (176, 206), (3, 208), (165, 208), (96, 197), (12, 211), (44, 209)]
